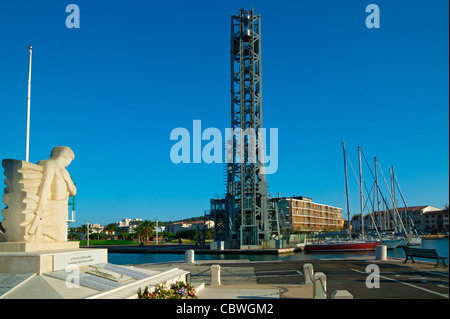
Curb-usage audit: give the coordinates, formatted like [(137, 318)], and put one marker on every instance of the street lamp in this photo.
[(156, 232), (27, 142), (87, 227)]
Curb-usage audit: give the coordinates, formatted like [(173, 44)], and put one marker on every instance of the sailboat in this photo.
[(389, 240), (392, 243), (349, 244), (413, 239)]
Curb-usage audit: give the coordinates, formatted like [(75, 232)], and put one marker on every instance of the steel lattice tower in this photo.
[(246, 215)]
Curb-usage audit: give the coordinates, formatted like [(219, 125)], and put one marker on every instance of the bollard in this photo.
[(189, 257), (320, 286), (381, 252), (308, 273), (341, 294), (215, 275)]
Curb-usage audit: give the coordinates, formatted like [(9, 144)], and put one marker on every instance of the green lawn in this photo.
[(107, 242), (93, 242)]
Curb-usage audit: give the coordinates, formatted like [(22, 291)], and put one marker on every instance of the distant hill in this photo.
[(191, 219)]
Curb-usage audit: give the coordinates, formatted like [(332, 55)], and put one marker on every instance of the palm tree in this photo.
[(97, 230), (122, 231), (71, 231), (145, 230), (83, 229)]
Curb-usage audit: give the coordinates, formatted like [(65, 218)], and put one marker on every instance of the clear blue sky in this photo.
[(115, 88)]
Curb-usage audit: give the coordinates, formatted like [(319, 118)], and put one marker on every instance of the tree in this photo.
[(110, 228), (191, 234), (97, 230), (145, 230), (84, 230), (210, 234), (169, 235), (75, 236), (71, 231), (122, 232)]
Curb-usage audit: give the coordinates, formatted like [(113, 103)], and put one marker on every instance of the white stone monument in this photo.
[(33, 241), (36, 199), (34, 227)]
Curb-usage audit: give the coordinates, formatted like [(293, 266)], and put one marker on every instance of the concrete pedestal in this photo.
[(381, 252), (341, 294), (40, 262), (217, 245), (308, 272), (21, 247), (320, 286), (215, 275), (189, 256)]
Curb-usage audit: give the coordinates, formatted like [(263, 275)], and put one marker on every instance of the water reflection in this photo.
[(441, 245)]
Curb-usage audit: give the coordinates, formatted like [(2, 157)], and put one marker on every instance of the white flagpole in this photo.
[(27, 149)]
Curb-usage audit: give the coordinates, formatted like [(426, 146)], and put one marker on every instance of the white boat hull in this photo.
[(403, 243), (415, 241), (392, 243)]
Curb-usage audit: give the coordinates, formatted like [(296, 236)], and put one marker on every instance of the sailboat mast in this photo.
[(380, 219), (393, 199), (346, 192), (361, 192), (393, 194), (406, 206)]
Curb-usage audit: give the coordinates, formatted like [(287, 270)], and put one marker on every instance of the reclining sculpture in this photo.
[(36, 198)]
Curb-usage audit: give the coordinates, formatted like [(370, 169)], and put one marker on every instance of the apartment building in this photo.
[(307, 216), (128, 225), (182, 226), (436, 221), (424, 218)]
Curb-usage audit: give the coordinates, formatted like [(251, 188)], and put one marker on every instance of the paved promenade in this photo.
[(285, 279)]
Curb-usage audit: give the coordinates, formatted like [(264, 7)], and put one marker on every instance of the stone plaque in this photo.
[(87, 257), (135, 274), (108, 274)]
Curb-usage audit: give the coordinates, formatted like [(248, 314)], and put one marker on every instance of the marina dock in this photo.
[(285, 279)]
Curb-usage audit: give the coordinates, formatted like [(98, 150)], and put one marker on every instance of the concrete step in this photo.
[(199, 286)]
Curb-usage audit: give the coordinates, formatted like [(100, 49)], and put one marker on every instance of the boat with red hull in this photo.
[(342, 246)]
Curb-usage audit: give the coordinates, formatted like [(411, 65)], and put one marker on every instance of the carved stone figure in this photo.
[(36, 197)]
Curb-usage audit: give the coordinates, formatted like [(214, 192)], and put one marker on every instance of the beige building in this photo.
[(306, 216), (182, 226), (424, 218), (436, 222)]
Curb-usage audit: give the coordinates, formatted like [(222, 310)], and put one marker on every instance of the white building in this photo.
[(182, 226), (413, 216), (161, 229), (128, 225)]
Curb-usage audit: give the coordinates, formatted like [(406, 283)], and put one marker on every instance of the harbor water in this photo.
[(441, 246)]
